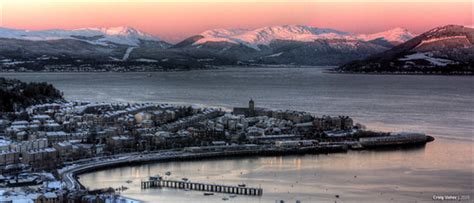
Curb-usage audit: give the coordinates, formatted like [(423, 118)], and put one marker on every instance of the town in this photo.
[(44, 147), (54, 64)]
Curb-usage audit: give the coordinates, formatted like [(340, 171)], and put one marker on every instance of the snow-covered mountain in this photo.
[(113, 43), (446, 49), (286, 44), (289, 44), (99, 36), (395, 36), (265, 35)]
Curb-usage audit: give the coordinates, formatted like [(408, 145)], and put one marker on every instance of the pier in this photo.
[(202, 187)]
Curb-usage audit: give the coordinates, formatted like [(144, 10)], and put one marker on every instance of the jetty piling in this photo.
[(177, 184)]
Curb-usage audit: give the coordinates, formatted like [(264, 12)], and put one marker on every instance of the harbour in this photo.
[(305, 176), (355, 175)]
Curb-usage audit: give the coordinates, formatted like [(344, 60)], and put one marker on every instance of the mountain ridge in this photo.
[(122, 35), (264, 35), (439, 49), (272, 45)]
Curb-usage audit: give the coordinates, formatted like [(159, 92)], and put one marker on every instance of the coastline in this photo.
[(331, 71), (70, 174), (397, 124), (403, 172), (328, 69)]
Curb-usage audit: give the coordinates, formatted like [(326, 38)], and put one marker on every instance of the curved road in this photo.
[(68, 173)]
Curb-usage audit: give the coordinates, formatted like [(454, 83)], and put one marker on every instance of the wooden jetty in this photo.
[(178, 184)]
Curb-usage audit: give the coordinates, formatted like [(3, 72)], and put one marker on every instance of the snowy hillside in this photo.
[(396, 35), (265, 35), (442, 50), (99, 36)]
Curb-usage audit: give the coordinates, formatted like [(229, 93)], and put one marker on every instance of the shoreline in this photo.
[(104, 71), (70, 175), (132, 159), (329, 71), (208, 68)]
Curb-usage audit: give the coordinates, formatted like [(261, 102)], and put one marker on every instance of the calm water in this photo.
[(441, 106)]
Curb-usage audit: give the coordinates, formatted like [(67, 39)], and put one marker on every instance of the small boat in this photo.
[(225, 198), (157, 177), (208, 193), (241, 185), (184, 179), (128, 181), (168, 173)]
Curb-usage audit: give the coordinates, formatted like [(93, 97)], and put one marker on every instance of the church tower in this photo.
[(251, 105)]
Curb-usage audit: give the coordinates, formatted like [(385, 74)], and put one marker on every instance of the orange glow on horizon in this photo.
[(175, 20)]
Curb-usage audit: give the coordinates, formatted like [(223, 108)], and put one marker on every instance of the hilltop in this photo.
[(442, 50), (15, 94)]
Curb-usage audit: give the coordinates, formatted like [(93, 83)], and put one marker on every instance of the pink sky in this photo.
[(175, 20)]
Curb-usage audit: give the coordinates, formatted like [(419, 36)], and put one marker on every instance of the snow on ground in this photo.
[(113, 58), (4, 142), (393, 35), (98, 36), (440, 39), (275, 55), (265, 35), (428, 57), (127, 53), (146, 60), (54, 185), (206, 59)]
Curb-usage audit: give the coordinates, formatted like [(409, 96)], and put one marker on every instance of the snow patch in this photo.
[(428, 57), (127, 53), (205, 60), (440, 39), (394, 35), (54, 185), (275, 55), (146, 60)]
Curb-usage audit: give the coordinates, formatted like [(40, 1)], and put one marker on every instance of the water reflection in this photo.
[(380, 175), (437, 105)]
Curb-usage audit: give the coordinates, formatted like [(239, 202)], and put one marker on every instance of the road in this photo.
[(67, 173)]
